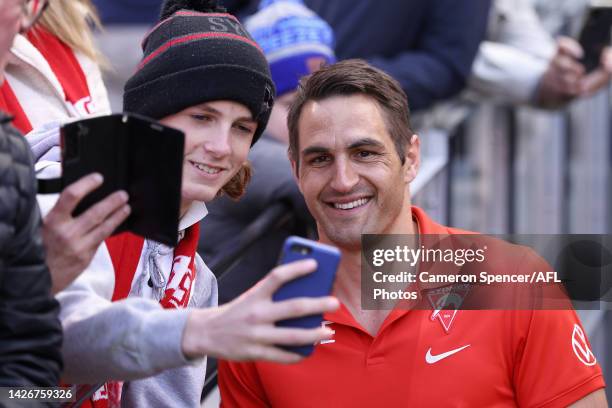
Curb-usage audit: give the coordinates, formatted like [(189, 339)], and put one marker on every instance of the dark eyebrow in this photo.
[(314, 149), (366, 142), (207, 108), (210, 109)]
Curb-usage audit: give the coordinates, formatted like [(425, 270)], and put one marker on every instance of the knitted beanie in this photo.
[(199, 53), (295, 40)]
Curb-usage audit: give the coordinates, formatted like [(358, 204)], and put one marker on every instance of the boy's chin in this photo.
[(205, 194)]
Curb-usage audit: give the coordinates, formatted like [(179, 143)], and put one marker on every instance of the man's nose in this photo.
[(345, 177)]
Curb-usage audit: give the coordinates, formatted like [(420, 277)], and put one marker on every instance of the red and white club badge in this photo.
[(581, 347), (446, 302)]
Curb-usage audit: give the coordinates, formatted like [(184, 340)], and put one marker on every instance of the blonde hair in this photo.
[(72, 22)]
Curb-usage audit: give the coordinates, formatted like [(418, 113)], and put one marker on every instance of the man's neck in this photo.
[(348, 280), (348, 284)]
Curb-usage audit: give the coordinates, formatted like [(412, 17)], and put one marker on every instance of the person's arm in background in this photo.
[(439, 67), (520, 63), (505, 74), (565, 78), (30, 332), (515, 55)]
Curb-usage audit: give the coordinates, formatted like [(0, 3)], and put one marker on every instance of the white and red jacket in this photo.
[(47, 81)]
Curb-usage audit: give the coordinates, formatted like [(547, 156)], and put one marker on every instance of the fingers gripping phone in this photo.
[(316, 284)]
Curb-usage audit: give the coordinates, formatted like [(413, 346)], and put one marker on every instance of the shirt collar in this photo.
[(196, 212)]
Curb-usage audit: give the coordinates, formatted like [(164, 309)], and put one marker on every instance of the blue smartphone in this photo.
[(316, 284)]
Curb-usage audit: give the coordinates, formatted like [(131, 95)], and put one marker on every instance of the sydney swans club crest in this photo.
[(446, 302)]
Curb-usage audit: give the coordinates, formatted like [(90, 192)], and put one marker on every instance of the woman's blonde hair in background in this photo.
[(72, 21)]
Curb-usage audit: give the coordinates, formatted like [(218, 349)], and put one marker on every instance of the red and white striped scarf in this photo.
[(125, 250)]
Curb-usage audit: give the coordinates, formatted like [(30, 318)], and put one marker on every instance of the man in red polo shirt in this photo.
[(354, 155)]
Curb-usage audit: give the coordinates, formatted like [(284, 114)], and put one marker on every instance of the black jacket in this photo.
[(30, 332)]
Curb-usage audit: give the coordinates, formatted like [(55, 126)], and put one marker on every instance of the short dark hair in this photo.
[(351, 77)]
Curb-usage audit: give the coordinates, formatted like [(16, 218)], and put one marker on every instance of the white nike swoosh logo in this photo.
[(431, 359)]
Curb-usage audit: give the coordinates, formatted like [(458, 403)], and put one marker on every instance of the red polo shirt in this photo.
[(484, 358)]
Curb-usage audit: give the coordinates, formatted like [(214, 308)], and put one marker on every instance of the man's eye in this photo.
[(365, 154), (317, 160)]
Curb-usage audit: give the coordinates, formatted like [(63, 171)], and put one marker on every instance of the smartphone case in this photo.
[(316, 284), (134, 154)]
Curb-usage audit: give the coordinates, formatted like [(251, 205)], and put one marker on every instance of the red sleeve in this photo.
[(555, 345), (240, 386)]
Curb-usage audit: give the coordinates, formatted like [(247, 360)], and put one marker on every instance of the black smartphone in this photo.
[(595, 35), (316, 284), (135, 154)]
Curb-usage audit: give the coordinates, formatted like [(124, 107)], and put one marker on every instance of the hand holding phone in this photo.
[(135, 154), (245, 329), (71, 242), (316, 284)]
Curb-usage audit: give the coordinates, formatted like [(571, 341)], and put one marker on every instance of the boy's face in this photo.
[(218, 137)]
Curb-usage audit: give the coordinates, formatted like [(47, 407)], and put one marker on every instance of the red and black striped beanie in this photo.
[(199, 53)]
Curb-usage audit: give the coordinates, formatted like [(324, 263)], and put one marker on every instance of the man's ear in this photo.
[(413, 159)]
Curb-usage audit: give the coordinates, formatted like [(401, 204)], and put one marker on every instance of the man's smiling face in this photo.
[(350, 173)]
